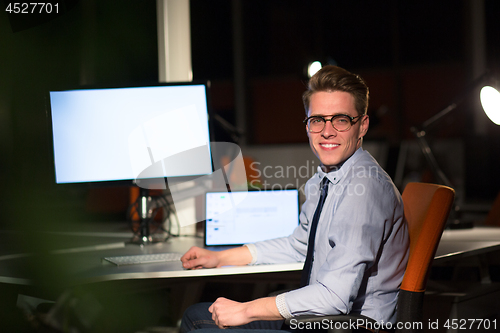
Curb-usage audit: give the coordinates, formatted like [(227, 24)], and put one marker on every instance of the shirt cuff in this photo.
[(281, 305), (253, 251)]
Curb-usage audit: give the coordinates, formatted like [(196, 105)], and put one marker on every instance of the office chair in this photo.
[(493, 217), (426, 209)]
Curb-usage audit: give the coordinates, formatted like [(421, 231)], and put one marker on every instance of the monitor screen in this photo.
[(131, 133), (241, 217)]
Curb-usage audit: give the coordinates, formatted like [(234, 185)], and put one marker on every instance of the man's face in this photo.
[(330, 146)]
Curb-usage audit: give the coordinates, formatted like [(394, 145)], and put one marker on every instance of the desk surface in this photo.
[(467, 242), (79, 257)]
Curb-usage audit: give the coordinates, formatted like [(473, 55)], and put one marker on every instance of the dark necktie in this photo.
[(306, 271)]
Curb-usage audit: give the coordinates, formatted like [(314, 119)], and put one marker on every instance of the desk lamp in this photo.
[(490, 101)]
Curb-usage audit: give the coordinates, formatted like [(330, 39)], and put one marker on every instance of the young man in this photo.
[(361, 242)]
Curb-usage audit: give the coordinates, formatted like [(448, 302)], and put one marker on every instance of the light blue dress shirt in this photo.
[(361, 246)]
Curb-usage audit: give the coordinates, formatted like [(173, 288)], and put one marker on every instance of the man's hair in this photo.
[(332, 78)]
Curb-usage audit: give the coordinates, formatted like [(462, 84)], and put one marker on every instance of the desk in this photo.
[(94, 270), (74, 259), (85, 265), (71, 265), (456, 244), (81, 260), (463, 289)]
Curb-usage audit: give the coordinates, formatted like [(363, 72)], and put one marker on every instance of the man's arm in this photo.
[(228, 313), (197, 258)]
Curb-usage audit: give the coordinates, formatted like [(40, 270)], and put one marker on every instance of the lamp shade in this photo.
[(313, 67), (490, 100)]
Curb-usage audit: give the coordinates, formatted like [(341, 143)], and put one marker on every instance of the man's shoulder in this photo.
[(366, 170), (366, 166)]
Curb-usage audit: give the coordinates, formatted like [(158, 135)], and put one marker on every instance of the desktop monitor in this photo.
[(150, 136), (130, 133)]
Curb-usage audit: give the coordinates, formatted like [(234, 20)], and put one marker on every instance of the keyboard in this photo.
[(144, 258)]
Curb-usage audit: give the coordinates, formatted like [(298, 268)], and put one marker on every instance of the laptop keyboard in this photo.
[(144, 258)]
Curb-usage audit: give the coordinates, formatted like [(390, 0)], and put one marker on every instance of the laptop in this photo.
[(242, 217)]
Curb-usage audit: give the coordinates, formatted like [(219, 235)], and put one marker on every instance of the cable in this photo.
[(157, 205)]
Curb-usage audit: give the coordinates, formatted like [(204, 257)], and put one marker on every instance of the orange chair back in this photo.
[(493, 218), (426, 208)]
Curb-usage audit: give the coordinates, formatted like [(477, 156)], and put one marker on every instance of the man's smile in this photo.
[(329, 145)]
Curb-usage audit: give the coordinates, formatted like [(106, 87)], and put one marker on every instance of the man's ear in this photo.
[(365, 124)]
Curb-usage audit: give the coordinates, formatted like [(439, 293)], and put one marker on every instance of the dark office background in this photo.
[(414, 54)]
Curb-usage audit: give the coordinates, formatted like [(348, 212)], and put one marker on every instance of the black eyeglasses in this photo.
[(341, 122)]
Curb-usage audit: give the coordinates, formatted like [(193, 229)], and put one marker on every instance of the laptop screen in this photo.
[(235, 218)]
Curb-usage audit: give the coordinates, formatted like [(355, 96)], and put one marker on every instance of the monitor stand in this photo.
[(143, 235)]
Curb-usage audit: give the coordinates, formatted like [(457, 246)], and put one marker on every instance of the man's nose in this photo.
[(329, 130)]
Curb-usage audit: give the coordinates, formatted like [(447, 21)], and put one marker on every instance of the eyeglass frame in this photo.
[(331, 121)]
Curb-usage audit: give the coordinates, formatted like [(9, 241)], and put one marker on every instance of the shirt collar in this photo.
[(336, 176)]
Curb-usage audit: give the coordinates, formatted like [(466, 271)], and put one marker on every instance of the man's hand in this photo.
[(228, 313), (196, 258)]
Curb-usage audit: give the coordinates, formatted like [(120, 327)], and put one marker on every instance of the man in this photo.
[(361, 242)]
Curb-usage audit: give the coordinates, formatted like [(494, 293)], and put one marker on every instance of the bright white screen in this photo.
[(256, 216), (116, 134)]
